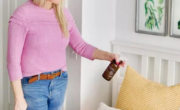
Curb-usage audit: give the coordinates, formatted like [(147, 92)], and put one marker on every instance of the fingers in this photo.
[(119, 66), (16, 107), (123, 64), (117, 58), (110, 59), (20, 108)]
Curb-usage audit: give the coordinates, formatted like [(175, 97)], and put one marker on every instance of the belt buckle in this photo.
[(48, 76)]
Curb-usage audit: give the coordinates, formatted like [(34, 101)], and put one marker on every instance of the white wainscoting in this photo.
[(155, 63)]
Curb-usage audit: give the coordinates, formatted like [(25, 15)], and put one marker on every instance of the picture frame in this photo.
[(152, 17), (175, 19)]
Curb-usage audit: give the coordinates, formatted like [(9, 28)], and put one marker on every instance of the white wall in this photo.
[(74, 65), (125, 28), (1, 55), (98, 29), (96, 20)]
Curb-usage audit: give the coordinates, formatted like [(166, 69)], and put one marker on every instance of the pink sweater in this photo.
[(36, 44)]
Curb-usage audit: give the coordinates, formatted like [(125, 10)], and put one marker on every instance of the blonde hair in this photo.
[(59, 14)]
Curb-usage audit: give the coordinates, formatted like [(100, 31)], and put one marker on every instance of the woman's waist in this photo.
[(33, 71), (43, 74)]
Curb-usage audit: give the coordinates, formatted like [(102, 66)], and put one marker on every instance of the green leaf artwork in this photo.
[(161, 1), (150, 12), (160, 14), (179, 25), (151, 1), (152, 9)]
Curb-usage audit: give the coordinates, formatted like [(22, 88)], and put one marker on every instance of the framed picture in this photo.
[(175, 18), (152, 17)]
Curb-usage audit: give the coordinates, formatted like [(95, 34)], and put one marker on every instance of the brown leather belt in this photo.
[(45, 76)]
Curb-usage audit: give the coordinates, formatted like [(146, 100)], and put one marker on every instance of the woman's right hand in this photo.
[(20, 104)]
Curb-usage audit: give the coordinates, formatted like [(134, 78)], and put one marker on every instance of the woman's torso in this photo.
[(44, 47)]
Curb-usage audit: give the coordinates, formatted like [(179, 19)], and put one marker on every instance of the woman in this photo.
[(38, 34)]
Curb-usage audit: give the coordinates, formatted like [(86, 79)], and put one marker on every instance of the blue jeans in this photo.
[(45, 94)]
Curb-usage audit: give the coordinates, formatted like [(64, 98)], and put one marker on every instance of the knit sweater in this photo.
[(36, 43)]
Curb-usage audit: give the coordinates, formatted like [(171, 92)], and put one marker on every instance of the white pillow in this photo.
[(103, 106)]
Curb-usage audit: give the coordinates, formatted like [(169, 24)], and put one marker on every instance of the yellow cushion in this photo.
[(139, 93)]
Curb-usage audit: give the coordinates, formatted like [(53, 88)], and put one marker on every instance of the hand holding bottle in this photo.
[(119, 60), (103, 55)]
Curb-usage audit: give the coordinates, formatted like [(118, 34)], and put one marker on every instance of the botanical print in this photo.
[(153, 14), (151, 17), (175, 19)]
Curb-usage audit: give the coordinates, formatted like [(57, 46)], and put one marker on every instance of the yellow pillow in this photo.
[(139, 93)]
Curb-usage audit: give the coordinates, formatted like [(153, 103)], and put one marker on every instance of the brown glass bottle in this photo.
[(111, 70)]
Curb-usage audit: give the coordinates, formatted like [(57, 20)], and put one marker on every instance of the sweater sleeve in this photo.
[(17, 29), (76, 42)]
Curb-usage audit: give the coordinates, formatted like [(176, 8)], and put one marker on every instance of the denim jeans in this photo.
[(45, 94)]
